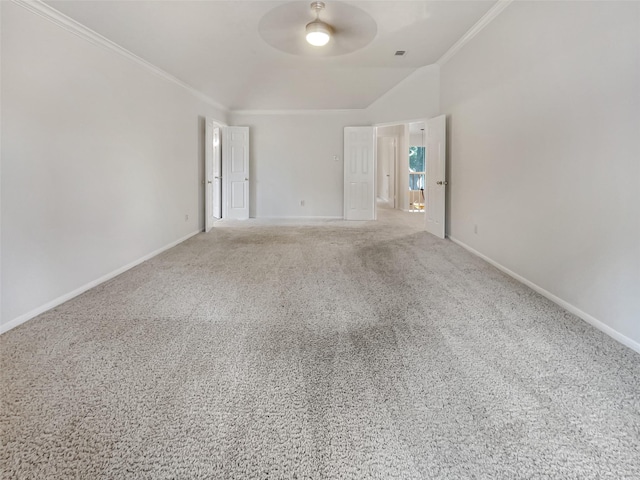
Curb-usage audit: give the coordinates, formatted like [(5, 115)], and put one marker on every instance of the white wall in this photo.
[(416, 139), (292, 153), (292, 160), (544, 119), (416, 97), (101, 161)]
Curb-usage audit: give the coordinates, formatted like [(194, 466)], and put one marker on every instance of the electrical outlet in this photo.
[(475, 229), (302, 203), (336, 158), (186, 217)]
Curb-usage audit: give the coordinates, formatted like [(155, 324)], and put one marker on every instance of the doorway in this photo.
[(417, 167), (386, 171), (397, 167), (419, 176), (226, 173), (212, 173), (401, 167)]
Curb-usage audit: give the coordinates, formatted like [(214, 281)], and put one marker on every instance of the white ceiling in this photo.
[(216, 47)]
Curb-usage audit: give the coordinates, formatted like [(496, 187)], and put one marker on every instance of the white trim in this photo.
[(473, 31), (49, 13), (401, 123), (275, 221), (68, 296), (298, 112), (623, 339), (255, 220)]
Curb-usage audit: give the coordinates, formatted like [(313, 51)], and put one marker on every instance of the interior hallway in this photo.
[(334, 350)]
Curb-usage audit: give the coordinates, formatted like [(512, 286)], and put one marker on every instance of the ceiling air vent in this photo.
[(400, 53)]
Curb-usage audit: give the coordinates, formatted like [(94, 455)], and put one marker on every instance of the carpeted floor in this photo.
[(327, 351)]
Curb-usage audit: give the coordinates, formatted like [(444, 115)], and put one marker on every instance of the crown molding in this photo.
[(298, 111), (49, 13), (486, 19)]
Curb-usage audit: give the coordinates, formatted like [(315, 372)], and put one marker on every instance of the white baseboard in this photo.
[(309, 217), (68, 296), (275, 221), (632, 344)]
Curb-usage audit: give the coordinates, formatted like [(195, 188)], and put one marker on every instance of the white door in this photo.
[(235, 172), (212, 173), (382, 190), (436, 175), (217, 173), (359, 173)]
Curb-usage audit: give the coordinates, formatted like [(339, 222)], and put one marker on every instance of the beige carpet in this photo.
[(327, 351)]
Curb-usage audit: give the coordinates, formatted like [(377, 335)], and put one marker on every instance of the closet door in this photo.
[(359, 173), (235, 172)]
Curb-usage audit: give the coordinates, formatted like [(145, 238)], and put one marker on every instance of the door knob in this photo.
[(209, 181), (246, 179)]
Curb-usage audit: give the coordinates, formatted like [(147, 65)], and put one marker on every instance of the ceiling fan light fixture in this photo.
[(318, 32)]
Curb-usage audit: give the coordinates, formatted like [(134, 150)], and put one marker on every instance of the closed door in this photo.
[(436, 175), (359, 173), (235, 172)]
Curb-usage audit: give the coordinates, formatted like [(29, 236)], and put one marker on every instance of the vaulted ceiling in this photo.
[(219, 47)]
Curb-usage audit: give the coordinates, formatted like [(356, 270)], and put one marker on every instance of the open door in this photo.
[(213, 175), (359, 173), (235, 172), (436, 175), (217, 173)]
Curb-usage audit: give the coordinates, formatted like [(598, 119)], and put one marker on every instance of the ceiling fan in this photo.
[(337, 29), (318, 32)]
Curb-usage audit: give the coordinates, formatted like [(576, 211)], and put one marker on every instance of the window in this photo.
[(416, 179)]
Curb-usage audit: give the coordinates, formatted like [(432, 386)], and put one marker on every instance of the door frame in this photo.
[(406, 123), (392, 167), (399, 203)]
